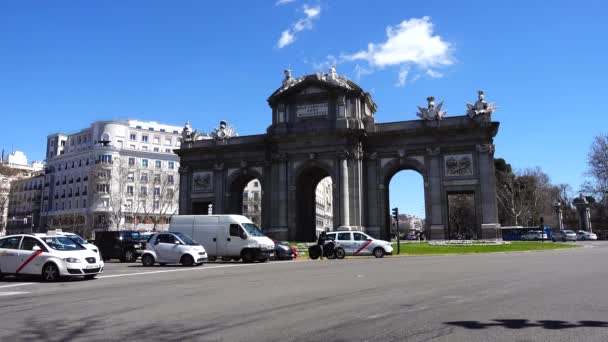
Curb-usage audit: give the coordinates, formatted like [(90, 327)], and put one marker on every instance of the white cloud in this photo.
[(402, 76), (306, 23), (286, 39), (411, 45), (434, 74), (283, 2)]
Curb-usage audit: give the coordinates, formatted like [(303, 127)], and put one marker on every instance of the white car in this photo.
[(173, 248), (535, 235), (51, 256), (358, 243), (585, 235)]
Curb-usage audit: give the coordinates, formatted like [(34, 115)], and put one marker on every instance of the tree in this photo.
[(461, 216), (597, 161), (109, 181), (158, 205), (508, 192)]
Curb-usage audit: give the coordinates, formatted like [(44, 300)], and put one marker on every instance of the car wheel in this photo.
[(340, 253), (247, 256), (225, 258), (90, 276), (1, 275), (378, 252), (187, 260), (263, 260), (50, 272), (236, 259), (128, 256), (211, 258), (553, 240), (162, 263), (147, 260)]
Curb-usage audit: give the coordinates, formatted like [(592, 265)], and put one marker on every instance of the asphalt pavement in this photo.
[(559, 295)]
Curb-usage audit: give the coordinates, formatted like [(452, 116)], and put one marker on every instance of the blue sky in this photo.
[(64, 64)]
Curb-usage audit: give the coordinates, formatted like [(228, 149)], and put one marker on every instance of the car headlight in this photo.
[(285, 248), (201, 253), (71, 260)]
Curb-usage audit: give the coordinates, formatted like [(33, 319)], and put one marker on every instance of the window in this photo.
[(156, 140), (168, 141), (144, 163), (144, 148), (156, 205), (103, 188), (130, 177), (144, 138), (106, 203), (167, 150), (131, 161), (166, 238), (256, 184), (151, 129), (235, 230), (63, 143), (138, 127), (158, 164), (359, 237), (344, 236), (169, 194), (133, 137), (10, 243), (129, 204), (162, 129), (156, 191), (157, 178), (132, 146), (170, 179), (84, 203), (171, 165), (143, 191), (156, 149), (143, 178), (130, 190)]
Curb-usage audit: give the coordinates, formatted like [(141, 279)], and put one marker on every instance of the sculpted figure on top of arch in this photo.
[(481, 107), (431, 112)]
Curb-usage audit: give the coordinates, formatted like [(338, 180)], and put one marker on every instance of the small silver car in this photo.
[(564, 235), (358, 243)]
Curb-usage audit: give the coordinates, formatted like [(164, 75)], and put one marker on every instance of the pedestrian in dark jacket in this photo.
[(321, 242)]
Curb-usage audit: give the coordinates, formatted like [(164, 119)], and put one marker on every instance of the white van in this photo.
[(225, 236)]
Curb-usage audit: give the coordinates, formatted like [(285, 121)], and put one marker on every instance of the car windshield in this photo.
[(568, 232), (77, 238), (62, 243), (186, 239), (252, 229), (132, 235)]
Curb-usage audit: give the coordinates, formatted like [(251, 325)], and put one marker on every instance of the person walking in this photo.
[(321, 242)]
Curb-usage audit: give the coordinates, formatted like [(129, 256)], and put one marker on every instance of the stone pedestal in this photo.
[(490, 231)]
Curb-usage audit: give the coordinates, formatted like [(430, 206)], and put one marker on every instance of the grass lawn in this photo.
[(424, 248)]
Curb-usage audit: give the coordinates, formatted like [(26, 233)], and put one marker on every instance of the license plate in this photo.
[(91, 266)]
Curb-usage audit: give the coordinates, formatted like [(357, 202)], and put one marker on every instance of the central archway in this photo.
[(306, 202)]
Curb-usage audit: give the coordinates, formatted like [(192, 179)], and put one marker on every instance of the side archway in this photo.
[(389, 170), (236, 186)]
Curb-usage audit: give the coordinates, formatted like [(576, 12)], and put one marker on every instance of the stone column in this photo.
[(490, 228), (584, 214), (437, 225), (185, 187), (278, 205), (220, 199), (344, 184), (560, 218)]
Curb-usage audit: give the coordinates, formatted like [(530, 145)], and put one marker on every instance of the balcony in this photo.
[(78, 180), (84, 193), (85, 179), (77, 194), (62, 196)]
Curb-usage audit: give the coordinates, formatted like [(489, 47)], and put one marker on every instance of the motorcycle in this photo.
[(330, 250)]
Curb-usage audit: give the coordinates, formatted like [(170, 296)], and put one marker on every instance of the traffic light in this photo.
[(396, 214)]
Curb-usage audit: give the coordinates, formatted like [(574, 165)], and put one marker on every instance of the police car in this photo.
[(51, 256)]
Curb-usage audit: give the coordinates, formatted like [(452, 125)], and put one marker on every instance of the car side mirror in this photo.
[(36, 248), (243, 236)]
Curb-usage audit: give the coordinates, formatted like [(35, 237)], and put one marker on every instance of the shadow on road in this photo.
[(524, 323)]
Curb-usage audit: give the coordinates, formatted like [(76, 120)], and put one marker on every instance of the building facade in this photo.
[(111, 175), (24, 205)]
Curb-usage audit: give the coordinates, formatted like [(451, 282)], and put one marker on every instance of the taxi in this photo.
[(50, 256)]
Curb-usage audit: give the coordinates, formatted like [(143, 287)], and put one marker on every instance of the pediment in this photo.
[(312, 90)]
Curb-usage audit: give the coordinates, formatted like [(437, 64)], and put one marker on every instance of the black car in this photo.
[(124, 245), (282, 250)]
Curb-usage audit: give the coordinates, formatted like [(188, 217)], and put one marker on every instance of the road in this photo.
[(530, 296)]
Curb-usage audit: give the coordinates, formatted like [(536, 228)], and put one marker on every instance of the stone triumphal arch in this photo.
[(323, 125)]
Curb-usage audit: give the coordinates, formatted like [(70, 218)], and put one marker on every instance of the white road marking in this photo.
[(4, 294), (199, 268), (15, 285)]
